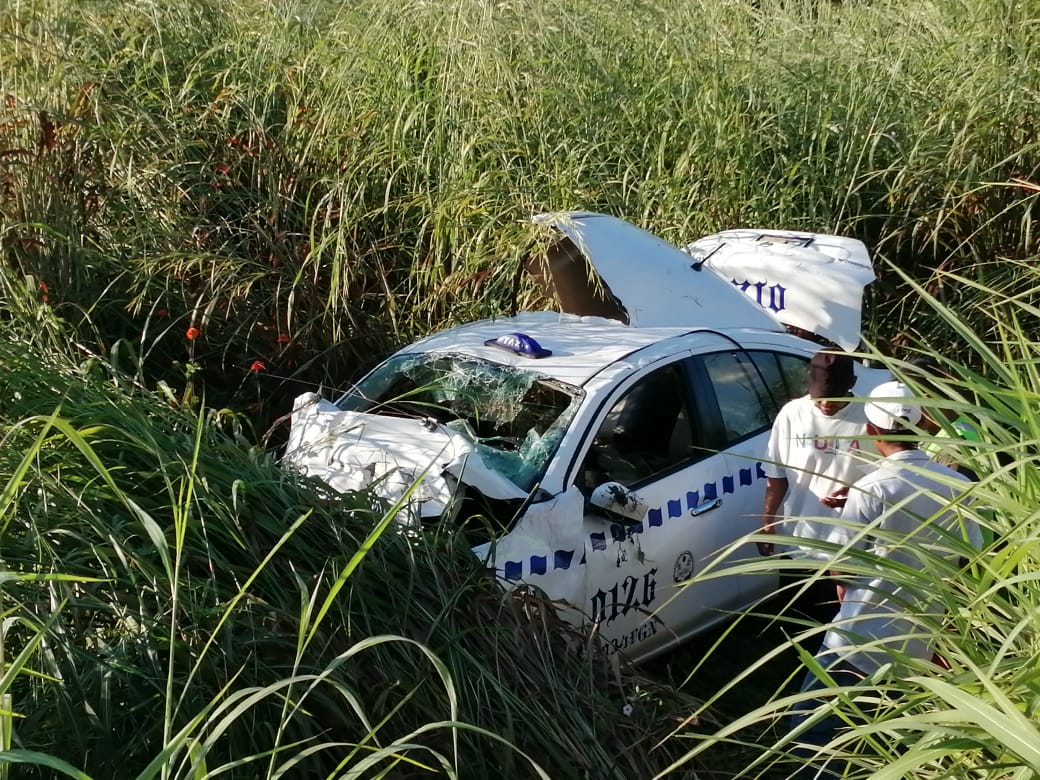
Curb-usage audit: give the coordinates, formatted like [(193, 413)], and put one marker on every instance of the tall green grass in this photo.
[(309, 184), (300, 187), (177, 605), (977, 716)]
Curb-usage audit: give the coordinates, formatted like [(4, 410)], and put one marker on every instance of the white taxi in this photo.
[(607, 452)]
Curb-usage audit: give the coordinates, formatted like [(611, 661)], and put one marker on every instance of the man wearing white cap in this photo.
[(906, 512)]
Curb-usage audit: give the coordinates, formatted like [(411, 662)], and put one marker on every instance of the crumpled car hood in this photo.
[(354, 451)]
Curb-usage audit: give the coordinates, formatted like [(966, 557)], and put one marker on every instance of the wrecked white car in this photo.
[(603, 454)]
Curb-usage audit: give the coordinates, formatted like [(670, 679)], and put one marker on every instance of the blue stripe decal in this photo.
[(564, 559)]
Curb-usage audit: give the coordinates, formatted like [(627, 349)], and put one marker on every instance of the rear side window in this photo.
[(785, 376), (745, 403), (751, 386)]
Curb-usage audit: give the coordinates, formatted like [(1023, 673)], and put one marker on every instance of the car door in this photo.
[(747, 387), (649, 439)]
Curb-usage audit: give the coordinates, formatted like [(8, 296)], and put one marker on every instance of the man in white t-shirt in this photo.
[(905, 511), (813, 455)]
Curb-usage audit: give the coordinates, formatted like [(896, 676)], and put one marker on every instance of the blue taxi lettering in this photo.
[(766, 295)]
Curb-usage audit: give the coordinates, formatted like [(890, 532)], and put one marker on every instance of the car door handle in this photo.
[(707, 506)]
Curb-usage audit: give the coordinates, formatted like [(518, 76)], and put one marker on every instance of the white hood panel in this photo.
[(354, 451), (650, 282)]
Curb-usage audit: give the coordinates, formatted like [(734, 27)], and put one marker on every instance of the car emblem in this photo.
[(683, 567)]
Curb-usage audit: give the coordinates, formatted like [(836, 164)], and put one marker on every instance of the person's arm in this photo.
[(776, 489), (840, 586), (855, 512)]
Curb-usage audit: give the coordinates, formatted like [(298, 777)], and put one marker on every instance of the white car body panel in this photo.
[(352, 451), (811, 281), (655, 281), (640, 582), (631, 578), (582, 347)]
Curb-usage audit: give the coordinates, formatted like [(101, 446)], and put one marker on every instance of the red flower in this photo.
[(192, 333), (258, 365), (162, 313), (283, 339), (44, 287)]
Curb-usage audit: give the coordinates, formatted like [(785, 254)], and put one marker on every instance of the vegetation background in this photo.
[(208, 207)]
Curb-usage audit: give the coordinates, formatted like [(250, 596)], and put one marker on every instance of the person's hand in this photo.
[(837, 499), (766, 549)]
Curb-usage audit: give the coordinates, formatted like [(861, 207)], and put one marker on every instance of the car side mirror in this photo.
[(617, 500)]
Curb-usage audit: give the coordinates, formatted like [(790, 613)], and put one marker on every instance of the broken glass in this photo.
[(515, 418)]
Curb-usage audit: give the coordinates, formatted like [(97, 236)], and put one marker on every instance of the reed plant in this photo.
[(309, 184), (973, 714)]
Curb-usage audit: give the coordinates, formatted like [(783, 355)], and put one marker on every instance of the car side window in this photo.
[(648, 431), (796, 376), (745, 403), (785, 376)]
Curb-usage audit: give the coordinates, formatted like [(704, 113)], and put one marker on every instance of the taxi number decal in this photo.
[(640, 634), (629, 594)]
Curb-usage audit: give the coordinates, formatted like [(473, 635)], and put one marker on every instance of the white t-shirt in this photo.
[(816, 454), (875, 620)]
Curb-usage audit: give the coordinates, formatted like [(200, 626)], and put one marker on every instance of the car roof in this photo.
[(581, 346)]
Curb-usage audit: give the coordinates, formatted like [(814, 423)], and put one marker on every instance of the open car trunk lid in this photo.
[(602, 266), (810, 281)]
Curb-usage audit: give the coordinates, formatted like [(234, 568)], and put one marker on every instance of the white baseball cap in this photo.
[(895, 408)]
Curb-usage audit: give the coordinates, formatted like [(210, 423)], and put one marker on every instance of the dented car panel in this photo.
[(620, 441), (399, 457)]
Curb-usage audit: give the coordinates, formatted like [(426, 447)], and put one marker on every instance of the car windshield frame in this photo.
[(515, 417)]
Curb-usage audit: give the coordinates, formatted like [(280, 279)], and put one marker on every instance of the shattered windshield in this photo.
[(516, 418)]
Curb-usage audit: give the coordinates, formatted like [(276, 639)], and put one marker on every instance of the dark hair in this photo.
[(831, 374)]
